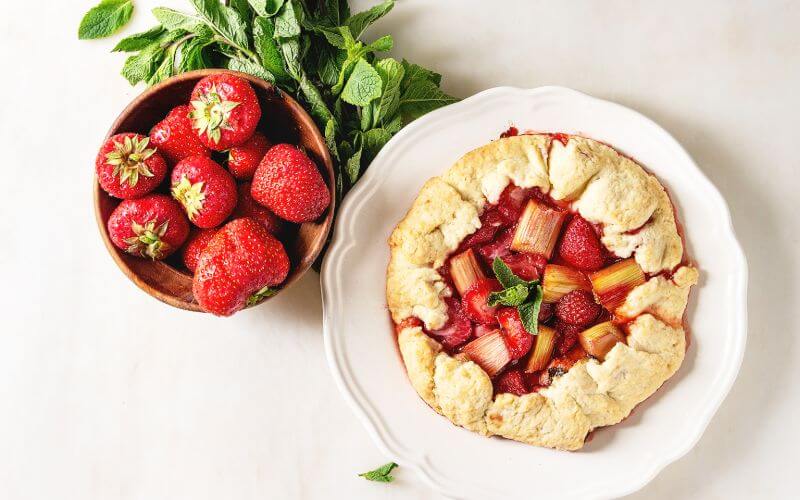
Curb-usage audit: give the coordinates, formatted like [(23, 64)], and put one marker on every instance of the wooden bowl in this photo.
[(282, 120)]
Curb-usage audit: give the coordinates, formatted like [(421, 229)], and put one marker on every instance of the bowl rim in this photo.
[(138, 100), (344, 240)]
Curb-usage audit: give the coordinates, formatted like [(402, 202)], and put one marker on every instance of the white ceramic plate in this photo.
[(365, 360)]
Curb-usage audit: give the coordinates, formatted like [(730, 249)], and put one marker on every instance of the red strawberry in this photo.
[(174, 137), (243, 160), (491, 223), (457, 329), (545, 311), (225, 111), (518, 340), (512, 382), (499, 247), (577, 308), (568, 337), (476, 301), (247, 207), (512, 201), (580, 247), (238, 267), (527, 266), (190, 253), (127, 168), (205, 189), (411, 322), (288, 183), (153, 226)]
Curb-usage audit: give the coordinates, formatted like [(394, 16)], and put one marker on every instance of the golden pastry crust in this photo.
[(638, 219)]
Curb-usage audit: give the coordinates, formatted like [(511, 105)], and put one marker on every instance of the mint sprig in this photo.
[(311, 49), (526, 296), (381, 474)]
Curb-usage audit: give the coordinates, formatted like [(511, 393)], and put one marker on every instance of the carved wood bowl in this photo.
[(282, 120)]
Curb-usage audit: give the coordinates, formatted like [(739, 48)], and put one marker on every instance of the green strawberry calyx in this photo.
[(261, 295), (211, 114), (191, 196), (129, 159), (146, 241)]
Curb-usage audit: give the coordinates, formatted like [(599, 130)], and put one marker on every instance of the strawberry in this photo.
[(190, 253), (577, 308), (500, 247), (247, 207), (127, 168), (527, 266), (153, 226), (580, 247), (476, 301), (225, 111), (238, 267), (457, 329), (568, 336), (517, 338), (174, 137), (288, 183), (244, 159), (411, 322), (205, 189), (512, 382), (512, 201), (491, 222)]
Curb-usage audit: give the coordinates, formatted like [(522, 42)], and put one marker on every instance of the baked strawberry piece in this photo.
[(247, 207), (239, 266), (127, 166), (513, 382), (244, 159), (457, 329), (174, 137), (190, 252), (476, 301), (152, 227), (580, 246), (577, 308), (205, 189), (518, 339), (225, 111), (288, 183)]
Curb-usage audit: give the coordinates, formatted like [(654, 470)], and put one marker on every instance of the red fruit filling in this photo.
[(457, 329), (577, 308), (513, 382), (517, 338), (476, 302)]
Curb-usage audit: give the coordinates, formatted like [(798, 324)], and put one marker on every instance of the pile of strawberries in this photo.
[(226, 223)]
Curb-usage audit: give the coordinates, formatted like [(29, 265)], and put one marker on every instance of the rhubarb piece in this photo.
[(613, 283), (476, 301), (578, 308), (600, 338), (465, 270), (538, 229), (512, 382), (512, 201), (543, 350), (489, 352), (517, 338), (560, 280)]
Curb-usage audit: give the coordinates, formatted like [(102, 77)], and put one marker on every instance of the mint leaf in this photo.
[(105, 18), (529, 311), (251, 68), (226, 21), (174, 20), (266, 48), (363, 85), (374, 140), (415, 74), (313, 97), (193, 55), (382, 44), (422, 97), (361, 21), (391, 73), (381, 474), (141, 66), (353, 166), (287, 24), (512, 297), (505, 275), (138, 41)]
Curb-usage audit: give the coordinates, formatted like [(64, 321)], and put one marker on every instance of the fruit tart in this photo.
[(538, 289)]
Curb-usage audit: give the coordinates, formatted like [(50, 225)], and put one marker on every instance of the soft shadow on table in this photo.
[(739, 420)]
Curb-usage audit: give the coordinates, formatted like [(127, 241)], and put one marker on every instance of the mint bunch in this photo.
[(526, 296), (311, 49)]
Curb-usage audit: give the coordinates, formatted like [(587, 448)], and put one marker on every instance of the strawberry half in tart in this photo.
[(538, 289)]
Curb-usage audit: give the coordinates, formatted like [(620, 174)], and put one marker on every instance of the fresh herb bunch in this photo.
[(311, 49), (526, 296)]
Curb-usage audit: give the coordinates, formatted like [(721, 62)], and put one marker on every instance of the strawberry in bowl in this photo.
[(164, 259)]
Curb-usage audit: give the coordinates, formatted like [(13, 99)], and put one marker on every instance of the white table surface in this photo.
[(106, 393)]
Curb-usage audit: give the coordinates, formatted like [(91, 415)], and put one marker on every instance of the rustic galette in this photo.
[(538, 289)]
